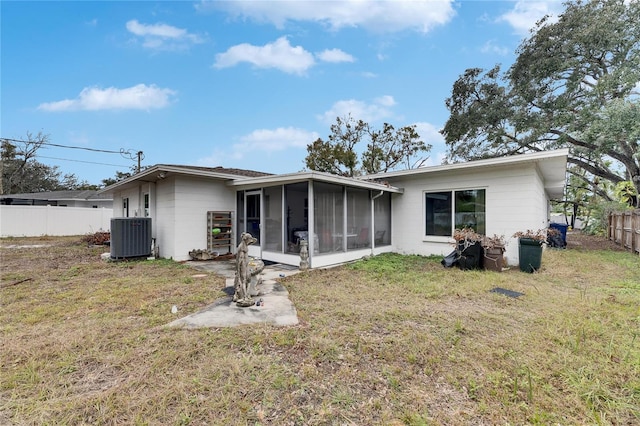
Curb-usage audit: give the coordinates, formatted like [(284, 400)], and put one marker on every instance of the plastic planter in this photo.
[(494, 259)]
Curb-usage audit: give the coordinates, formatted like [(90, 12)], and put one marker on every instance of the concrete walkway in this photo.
[(275, 308)]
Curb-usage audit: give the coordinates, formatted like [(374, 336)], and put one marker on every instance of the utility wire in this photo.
[(81, 161), (126, 153), (83, 148), (122, 151)]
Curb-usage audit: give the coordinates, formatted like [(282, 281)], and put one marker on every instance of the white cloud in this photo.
[(491, 47), (262, 142), (155, 30), (377, 16), (276, 140), (430, 134), (221, 156), (162, 36), (379, 109), (525, 14), (279, 54), (385, 100), (141, 97), (436, 158), (335, 55)]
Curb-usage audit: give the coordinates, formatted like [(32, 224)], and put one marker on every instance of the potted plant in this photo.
[(494, 248), (469, 248), (530, 248)]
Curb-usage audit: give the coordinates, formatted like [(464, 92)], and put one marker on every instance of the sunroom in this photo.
[(341, 219)]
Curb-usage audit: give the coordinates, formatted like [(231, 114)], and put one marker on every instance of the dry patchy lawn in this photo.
[(391, 340)]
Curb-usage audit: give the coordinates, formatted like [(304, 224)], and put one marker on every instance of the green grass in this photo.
[(388, 340)]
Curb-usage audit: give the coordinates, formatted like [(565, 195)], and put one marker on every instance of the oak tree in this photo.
[(386, 149), (575, 83), (21, 172)]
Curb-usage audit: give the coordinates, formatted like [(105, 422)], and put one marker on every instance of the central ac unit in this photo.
[(130, 237)]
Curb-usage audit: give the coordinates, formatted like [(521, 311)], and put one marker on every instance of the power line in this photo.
[(121, 152), (83, 148), (66, 146), (126, 153), (81, 161)]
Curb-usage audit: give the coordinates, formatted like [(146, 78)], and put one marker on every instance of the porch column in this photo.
[(311, 223)]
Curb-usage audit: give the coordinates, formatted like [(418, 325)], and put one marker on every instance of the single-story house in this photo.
[(69, 198), (411, 211)]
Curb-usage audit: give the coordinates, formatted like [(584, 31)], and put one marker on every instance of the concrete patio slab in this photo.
[(275, 307)]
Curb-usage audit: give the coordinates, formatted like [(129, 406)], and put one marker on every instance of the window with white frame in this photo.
[(446, 211), (146, 204)]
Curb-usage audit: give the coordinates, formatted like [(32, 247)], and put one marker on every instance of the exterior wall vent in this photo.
[(130, 237)]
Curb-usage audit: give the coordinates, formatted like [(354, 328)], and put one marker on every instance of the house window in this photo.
[(146, 204), (446, 211), (125, 207)]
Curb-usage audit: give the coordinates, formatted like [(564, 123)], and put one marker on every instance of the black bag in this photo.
[(451, 259), (471, 257), (556, 241)]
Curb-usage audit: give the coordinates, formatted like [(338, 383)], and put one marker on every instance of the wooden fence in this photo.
[(624, 229)]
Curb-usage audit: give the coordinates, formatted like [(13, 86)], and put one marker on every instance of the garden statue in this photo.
[(242, 282), (255, 267), (304, 255)]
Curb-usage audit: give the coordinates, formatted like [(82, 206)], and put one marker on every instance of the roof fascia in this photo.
[(151, 175), (489, 162), (310, 176)]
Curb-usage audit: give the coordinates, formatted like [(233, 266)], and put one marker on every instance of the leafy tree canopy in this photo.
[(575, 83), (117, 178), (386, 149), (22, 173)]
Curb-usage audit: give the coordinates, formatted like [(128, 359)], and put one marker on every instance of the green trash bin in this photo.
[(530, 252)]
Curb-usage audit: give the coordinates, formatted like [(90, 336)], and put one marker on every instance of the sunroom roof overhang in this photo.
[(286, 179)]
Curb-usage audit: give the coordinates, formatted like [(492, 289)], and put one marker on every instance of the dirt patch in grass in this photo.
[(580, 241), (389, 340)]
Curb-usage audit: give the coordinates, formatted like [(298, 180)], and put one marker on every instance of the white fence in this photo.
[(34, 221)]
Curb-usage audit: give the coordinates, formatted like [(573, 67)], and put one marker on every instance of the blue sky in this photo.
[(243, 84)]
